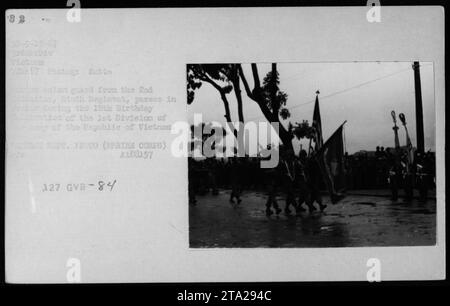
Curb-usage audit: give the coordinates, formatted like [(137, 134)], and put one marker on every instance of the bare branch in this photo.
[(206, 78), (237, 90), (244, 80), (256, 76)]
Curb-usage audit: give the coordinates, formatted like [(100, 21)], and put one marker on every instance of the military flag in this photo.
[(317, 125), (409, 146), (330, 158)]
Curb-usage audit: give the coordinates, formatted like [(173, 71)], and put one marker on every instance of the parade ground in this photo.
[(363, 218)]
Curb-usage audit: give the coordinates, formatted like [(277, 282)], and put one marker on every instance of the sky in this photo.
[(363, 93)]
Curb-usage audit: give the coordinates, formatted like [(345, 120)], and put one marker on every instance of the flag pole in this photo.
[(310, 140), (419, 108)]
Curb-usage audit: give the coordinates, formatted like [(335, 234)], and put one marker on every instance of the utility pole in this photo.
[(419, 108)]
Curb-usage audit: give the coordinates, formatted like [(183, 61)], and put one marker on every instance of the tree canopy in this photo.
[(227, 78)]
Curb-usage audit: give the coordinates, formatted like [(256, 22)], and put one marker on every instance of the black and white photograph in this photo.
[(219, 145), (355, 148)]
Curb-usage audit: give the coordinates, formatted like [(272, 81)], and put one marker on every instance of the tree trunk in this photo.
[(255, 95)]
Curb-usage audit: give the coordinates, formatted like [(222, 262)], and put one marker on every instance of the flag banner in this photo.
[(317, 125), (409, 147), (331, 163)]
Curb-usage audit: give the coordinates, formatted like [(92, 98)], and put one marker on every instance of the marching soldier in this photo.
[(212, 172), (395, 178), (422, 176), (303, 192), (271, 178), (313, 184), (407, 178), (272, 181), (235, 181), (393, 175)]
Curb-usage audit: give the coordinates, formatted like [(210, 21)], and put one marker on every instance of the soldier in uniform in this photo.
[(289, 172), (303, 192), (235, 180), (394, 174), (212, 169), (272, 176), (313, 180), (408, 179), (422, 175)]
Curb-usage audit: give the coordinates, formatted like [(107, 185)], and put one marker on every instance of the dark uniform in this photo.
[(212, 169), (408, 178), (394, 175), (301, 183), (289, 166), (272, 177), (422, 172), (235, 180), (313, 183)]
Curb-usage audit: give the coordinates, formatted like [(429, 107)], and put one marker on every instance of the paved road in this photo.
[(358, 220)]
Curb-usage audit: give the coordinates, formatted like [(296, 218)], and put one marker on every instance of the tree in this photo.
[(302, 130), (210, 139), (223, 77), (270, 100), (226, 78)]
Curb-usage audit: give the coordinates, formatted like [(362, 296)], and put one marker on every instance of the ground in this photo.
[(363, 218)]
